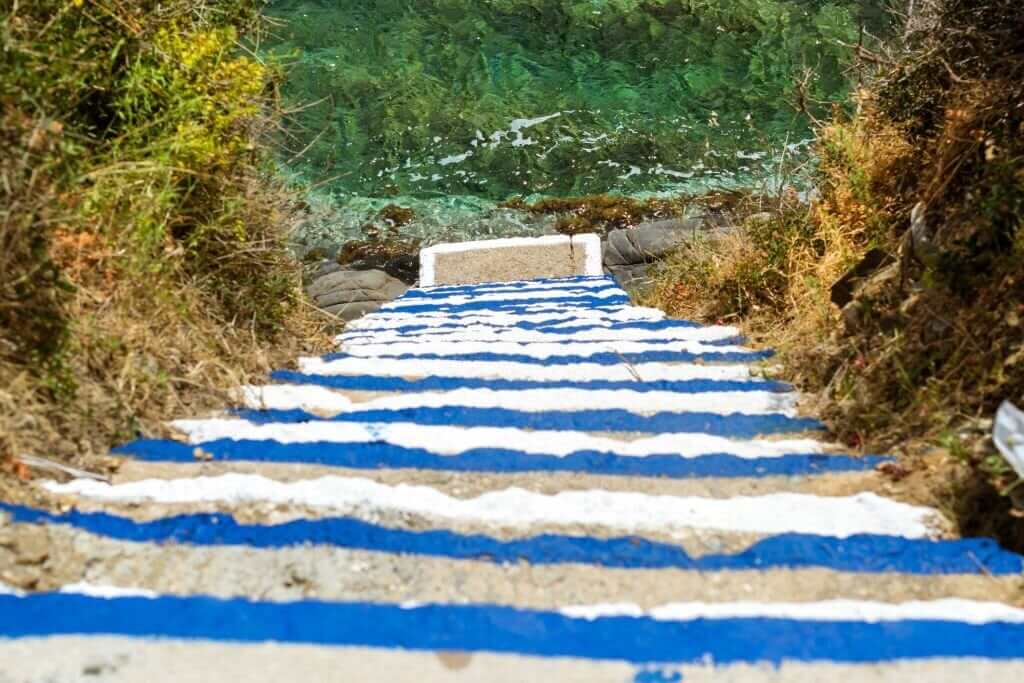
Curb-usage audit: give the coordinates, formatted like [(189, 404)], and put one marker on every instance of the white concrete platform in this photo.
[(510, 259)]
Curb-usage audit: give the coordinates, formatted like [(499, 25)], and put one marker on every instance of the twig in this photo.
[(629, 366), (304, 107), (321, 311), (323, 182), (984, 570), (53, 466), (307, 147), (952, 74)]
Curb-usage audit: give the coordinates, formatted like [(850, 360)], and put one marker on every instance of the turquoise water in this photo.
[(452, 106)]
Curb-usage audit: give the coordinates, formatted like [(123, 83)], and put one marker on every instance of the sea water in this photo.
[(451, 107)]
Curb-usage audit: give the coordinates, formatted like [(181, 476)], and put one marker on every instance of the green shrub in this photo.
[(131, 150), (142, 237)]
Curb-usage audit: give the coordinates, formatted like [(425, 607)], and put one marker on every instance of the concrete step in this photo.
[(491, 479)]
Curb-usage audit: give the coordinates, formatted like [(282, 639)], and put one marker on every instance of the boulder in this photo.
[(649, 241), (326, 268), (345, 296), (350, 279), (632, 278), (350, 294), (353, 310)]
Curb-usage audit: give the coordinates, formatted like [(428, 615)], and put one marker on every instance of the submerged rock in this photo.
[(404, 267), (385, 248)]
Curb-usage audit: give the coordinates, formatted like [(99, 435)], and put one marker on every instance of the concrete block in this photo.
[(504, 260)]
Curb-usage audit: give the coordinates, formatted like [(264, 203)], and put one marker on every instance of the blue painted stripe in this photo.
[(375, 383), (736, 340), (534, 309), (725, 341), (862, 553), (475, 628), (377, 455), (550, 326), (587, 302), (575, 289), (600, 358), (734, 425)]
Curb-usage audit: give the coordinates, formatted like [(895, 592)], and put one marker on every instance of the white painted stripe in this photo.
[(324, 401), (495, 319), (534, 350), (577, 372), (589, 243), (947, 609), (9, 590), (868, 611), (108, 592), (444, 440), (381, 321), (553, 289), (865, 513), (314, 399), (607, 292), (483, 333), (577, 282)]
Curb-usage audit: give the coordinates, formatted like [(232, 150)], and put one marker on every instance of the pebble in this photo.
[(32, 546), (20, 576)]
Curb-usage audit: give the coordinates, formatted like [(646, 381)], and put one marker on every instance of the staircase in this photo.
[(510, 481)]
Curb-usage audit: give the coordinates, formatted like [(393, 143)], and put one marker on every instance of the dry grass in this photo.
[(143, 261), (139, 354), (929, 340)]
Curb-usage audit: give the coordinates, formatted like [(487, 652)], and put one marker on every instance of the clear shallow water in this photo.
[(452, 106)]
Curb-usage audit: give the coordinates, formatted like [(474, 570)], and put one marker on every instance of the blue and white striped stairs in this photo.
[(509, 481)]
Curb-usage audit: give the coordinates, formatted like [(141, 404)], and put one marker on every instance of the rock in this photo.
[(25, 578), (349, 279), (404, 267), (845, 288), (315, 271), (347, 296), (649, 241), (350, 294), (922, 243), (326, 268), (6, 533), (32, 545), (1008, 435), (632, 277), (351, 311), (851, 315), (875, 287)]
